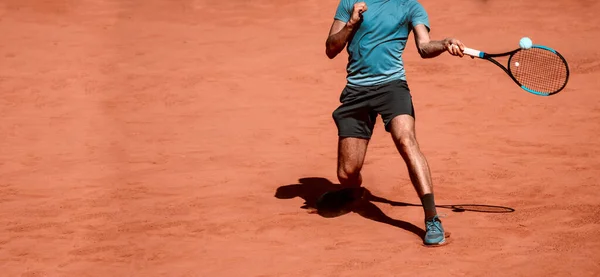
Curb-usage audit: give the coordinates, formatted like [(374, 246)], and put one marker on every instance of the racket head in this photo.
[(539, 70)]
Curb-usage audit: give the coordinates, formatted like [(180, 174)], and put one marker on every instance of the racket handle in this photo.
[(473, 52)]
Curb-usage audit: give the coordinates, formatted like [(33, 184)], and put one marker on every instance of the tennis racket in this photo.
[(539, 70)]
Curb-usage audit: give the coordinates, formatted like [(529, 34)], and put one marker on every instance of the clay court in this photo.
[(189, 137)]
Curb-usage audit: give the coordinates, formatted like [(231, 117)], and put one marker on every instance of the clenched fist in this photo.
[(357, 11)]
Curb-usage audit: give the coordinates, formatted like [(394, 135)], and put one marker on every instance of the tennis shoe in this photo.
[(434, 235)]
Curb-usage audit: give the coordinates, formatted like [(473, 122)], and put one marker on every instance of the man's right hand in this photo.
[(341, 31), (357, 11)]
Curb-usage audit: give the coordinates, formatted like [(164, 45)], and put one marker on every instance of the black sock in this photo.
[(428, 206)]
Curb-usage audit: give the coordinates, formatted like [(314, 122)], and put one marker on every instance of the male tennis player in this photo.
[(376, 32)]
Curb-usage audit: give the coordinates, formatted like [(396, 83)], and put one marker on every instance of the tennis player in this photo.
[(376, 32)]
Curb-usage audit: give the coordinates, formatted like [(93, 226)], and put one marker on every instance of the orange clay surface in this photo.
[(182, 138)]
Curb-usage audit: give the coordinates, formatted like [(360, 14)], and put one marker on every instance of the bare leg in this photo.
[(351, 156), (403, 134)]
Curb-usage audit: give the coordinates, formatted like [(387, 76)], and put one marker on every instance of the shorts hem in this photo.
[(354, 136)]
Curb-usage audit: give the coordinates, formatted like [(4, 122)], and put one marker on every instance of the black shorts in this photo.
[(361, 106)]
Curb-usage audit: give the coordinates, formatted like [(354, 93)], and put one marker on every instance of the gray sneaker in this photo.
[(434, 234)]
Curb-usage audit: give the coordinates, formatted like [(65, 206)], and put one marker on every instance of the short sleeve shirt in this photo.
[(375, 50)]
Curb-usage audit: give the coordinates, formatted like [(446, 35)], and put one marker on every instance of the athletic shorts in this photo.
[(356, 116)]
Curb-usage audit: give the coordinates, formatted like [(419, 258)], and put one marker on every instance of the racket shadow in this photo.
[(312, 189), (457, 208)]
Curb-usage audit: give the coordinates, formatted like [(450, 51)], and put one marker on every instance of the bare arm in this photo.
[(341, 32), (338, 37), (432, 48)]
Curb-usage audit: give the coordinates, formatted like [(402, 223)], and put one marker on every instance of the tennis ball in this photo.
[(525, 43)]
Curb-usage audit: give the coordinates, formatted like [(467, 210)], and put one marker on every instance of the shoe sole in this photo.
[(447, 240)]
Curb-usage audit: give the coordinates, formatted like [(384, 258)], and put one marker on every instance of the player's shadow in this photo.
[(311, 189)]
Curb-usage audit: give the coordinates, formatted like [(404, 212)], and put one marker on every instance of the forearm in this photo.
[(336, 42), (432, 48)]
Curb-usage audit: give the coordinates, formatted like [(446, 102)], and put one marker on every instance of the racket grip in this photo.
[(473, 52)]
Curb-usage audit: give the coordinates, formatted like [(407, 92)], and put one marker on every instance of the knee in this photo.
[(348, 175), (406, 141)]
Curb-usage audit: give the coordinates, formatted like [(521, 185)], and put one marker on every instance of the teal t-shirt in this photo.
[(375, 51)]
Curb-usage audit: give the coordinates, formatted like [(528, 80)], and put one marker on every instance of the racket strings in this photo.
[(539, 69)]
